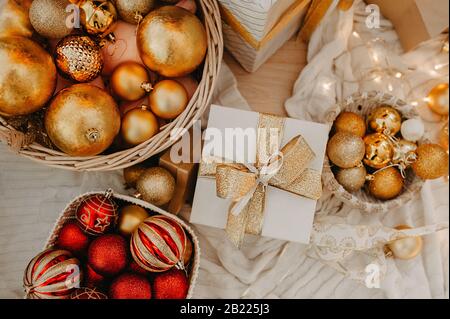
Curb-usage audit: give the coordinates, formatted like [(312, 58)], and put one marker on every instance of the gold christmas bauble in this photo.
[(168, 99), (345, 150), (130, 217), (172, 41), (131, 174), (404, 152), (133, 11), (438, 99), (79, 58), (405, 248), (351, 123), (352, 179), (82, 120), (27, 76), (443, 136), (386, 120), (432, 161), (379, 150), (48, 18), (138, 126), (98, 17), (386, 184), (14, 19), (130, 81), (156, 186)]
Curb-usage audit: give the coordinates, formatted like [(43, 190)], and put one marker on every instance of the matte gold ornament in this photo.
[(405, 248), (438, 99), (156, 186), (82, 120), (14, 19), (130, 217), (172, 41), (443, 136), (352, 179), (168, 99), (133, 11), (386, 183), (27, 76), (432, 161), (130, 81), (48, 18), (351, 123), (139, 125), (79, 58), (404, 153), (131, 174), (413, 130), (345, 150), (386, 120), (379, 150), (98, 17)]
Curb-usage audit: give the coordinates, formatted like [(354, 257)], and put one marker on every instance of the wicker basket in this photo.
[(69, 214), (363, 103), (166, 137)]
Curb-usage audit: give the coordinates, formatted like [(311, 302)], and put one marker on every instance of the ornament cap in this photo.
[(147, 87)]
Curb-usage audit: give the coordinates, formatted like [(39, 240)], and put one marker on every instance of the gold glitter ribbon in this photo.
[(246, 184)]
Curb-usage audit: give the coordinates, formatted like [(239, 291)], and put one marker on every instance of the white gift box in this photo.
[(286, 216)]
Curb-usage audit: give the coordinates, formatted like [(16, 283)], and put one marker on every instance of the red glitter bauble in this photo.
[(92, 279), (73, 239), (172, 284), (88, 293), (108, 254), (97, 214), (130, 286), (135, 268)]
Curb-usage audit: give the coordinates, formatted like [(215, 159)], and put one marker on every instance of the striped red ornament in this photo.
[(158, 244), (53, 274), (97, 214)]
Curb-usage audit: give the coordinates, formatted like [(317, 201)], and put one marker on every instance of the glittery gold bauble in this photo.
[(404, 152), (82, 120), (138, 126), (129, 219), (351, 123), (14, 20), (352, 179), (188, 252), (27, 76), (438, 99), (98, 17), (385, 119), (345, 150), (133, 11), (131, 174), (172, 41), (432, 161), (405, 248), (130, 81), (79, 58), (379, 150), (48, 18), (443, 137), (386, 184), (156, 186), (168, 99)]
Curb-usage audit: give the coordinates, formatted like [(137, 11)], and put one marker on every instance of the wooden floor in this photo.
[(267, 89)]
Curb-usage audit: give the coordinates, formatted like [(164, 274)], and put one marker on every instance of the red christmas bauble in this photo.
[(108, 255), (172, 284), (130, 286), (73, 239), (88, 293), (53, 274), (158, 244), (97, 214), (133, 267), (92, 279)]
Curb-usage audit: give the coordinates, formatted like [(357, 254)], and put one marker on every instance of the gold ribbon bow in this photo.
[(246, 184)]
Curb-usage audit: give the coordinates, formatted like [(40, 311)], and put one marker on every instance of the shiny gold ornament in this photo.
[(404, 153), (345, 150), (351, 123), (131, 174), (172, 41), (79, 58), (443, 136), (156, 186), (27, 76), (130, 217), (130, 81), (98, 17), (48, 18), (168, 99), (432, 161), (352, 179), (386, 183), (379, 150), (405, 248), (82, 120), (133, 11), (139, 125), (386, 120), (438, 99), (14, 20)]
